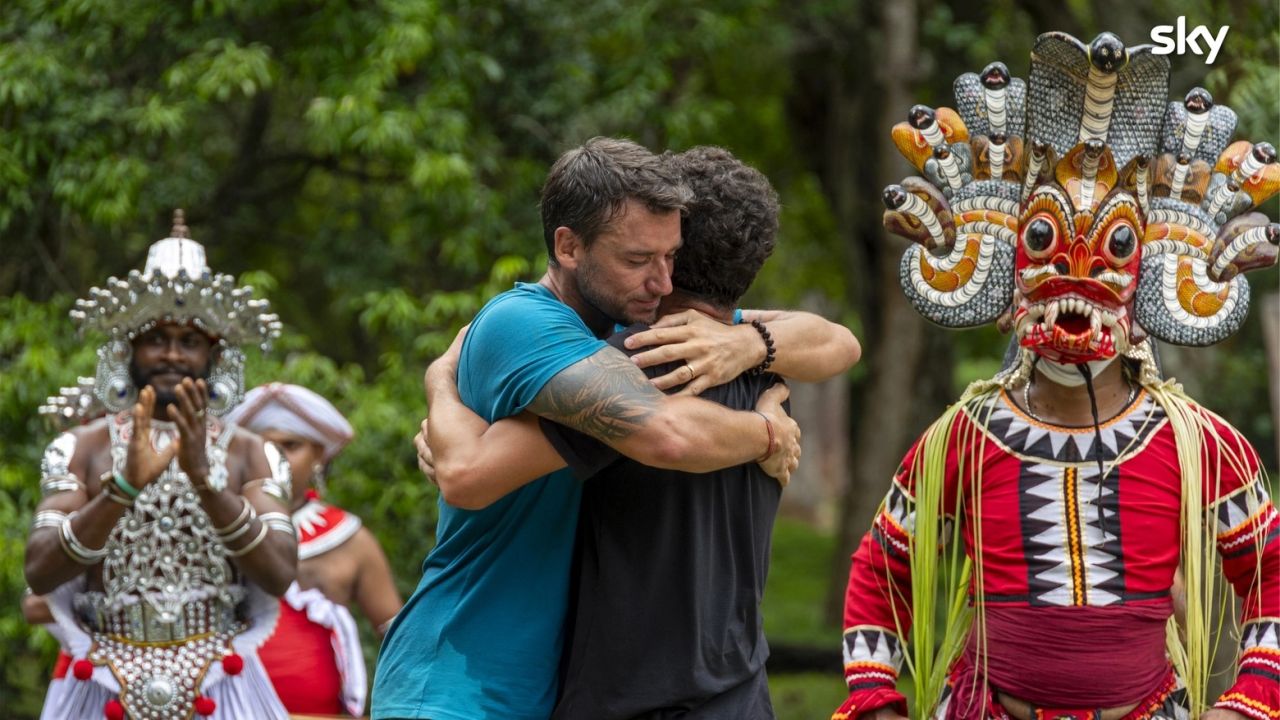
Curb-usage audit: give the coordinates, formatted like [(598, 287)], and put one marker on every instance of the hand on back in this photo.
[(784, 451), (705, 347)]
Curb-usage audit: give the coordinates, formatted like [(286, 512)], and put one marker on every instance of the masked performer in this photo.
[(163, 532), (314, 658), (1022, 561)]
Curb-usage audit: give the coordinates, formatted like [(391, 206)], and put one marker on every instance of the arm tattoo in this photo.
[(605, 396)]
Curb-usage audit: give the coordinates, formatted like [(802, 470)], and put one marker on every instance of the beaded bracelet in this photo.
[(769, 351)]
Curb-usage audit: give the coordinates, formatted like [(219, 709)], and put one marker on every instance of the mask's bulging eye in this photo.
[(1121, 244), (1039, 237)]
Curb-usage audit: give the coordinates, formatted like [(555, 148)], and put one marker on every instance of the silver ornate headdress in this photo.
[(175, 286), (1082, 205), (73, 405)]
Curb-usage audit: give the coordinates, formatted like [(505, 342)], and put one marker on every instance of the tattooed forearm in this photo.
[(605, 396)]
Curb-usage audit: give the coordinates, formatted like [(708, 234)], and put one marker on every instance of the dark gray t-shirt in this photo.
[(670, 567)]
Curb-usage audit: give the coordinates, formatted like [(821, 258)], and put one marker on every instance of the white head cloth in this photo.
[(1069, 374), (295, 410)]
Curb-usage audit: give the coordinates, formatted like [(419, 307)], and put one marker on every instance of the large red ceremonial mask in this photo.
[(1082, 205), (1076, 271)]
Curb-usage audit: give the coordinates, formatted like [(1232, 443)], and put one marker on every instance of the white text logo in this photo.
[(1170, 39)]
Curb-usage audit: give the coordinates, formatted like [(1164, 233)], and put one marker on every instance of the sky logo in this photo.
[(1170, 39)]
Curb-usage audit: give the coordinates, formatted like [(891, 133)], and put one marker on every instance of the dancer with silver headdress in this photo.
[(1021, 565), (162, 530)]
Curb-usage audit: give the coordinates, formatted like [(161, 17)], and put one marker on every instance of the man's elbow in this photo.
[(459, 488), (39, 584), (278, 585), (34, 572), (851, 349)]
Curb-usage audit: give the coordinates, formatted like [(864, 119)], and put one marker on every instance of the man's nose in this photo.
[(660, 280)]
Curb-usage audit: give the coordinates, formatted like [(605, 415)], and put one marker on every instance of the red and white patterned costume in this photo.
[(314, 658), (1047, 565), (1084, 212)]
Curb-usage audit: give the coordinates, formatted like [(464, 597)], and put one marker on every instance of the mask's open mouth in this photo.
[(1072, 328)]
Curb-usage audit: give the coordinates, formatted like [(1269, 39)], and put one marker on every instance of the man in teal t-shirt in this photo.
[(482, 634), (480, 613)]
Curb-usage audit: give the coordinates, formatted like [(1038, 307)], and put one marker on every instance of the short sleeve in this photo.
[(518, 342)]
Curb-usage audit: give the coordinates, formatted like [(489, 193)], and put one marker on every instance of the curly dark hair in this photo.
[(730, 228), (589, 186)]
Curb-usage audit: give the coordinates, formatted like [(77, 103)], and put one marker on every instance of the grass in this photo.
[(793, 613), (795, 594), (807, 696)]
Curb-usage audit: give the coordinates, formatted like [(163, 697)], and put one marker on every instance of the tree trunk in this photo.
[(895, 333), (1269, 309), (822, 409)]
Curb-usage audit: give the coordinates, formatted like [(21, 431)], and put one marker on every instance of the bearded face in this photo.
[(1076, 274)]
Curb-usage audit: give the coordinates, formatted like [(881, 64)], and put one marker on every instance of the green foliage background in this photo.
[(373, 169)]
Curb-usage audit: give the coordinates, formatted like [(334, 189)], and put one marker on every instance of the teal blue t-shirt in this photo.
[(482, 634)]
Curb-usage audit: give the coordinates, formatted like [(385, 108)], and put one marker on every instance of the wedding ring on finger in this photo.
[(689, 368)]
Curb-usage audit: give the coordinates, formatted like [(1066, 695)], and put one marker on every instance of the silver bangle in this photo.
[(53, 484), (279, 522), (75, 549), (262, 535), (235, 524), (276, 490), (47, 519), (243, 528)]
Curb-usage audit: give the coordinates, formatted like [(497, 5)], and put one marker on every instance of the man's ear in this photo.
[(568, 247)]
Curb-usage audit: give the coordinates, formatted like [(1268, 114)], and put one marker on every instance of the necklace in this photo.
[(1026, 399)]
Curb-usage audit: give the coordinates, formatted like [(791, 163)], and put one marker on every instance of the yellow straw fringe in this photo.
[(1193, 656)]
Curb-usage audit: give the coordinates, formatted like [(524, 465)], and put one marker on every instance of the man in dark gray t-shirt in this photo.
[(664, 614)]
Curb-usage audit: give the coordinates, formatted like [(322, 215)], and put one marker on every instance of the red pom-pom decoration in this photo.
[(232, 664), (113, 710), (205, 705), (82, 669), (312, 494)]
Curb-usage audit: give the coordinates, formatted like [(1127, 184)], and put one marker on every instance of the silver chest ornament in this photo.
[(168, 611), (164, 549)]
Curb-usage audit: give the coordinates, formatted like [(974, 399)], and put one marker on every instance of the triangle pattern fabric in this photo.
[(1120, 437), (872, 644), (1099, 504), (1043, 540)]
